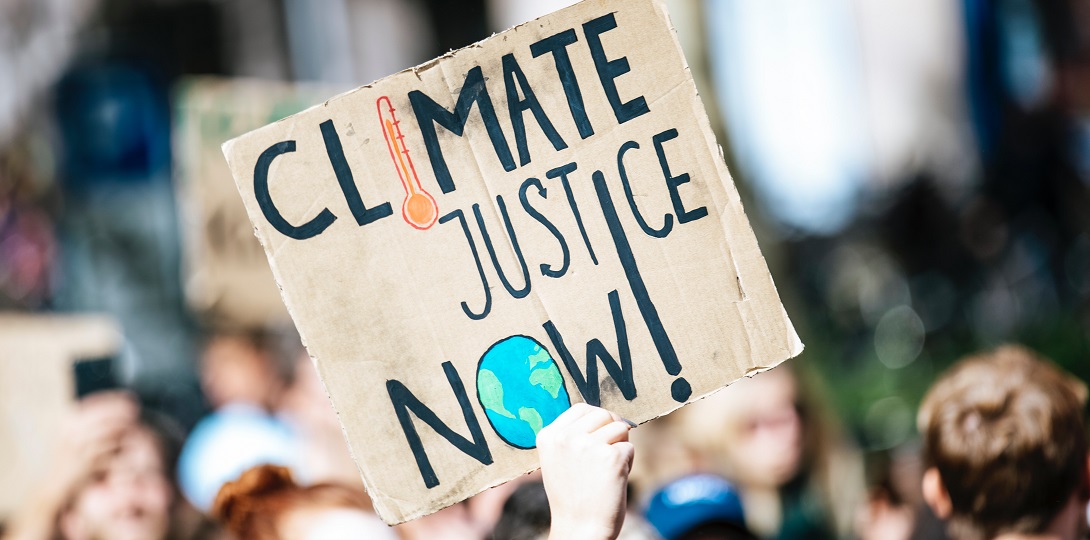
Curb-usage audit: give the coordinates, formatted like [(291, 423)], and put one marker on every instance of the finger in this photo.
[(102, 428), (592, 421), (619, 418), (613, 432), (628, 453), (109, 400), (108, 395), (575, 412), (111, 408)]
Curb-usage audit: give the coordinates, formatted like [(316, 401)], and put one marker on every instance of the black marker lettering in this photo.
[(514, 80), (621, 372), (546, 269), (667, 220), (476, 259), (611, 69), (429, 113), (672, 182), (309, 229), (516, 293), (680, 389), (404, 401), (563, 171), (557, 44), (335, 152)]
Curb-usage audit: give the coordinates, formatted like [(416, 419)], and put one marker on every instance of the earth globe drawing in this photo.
[(521, 389)]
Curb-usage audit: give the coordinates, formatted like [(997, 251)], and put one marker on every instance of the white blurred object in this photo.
[(354, 42), (503, 14), (828, 100), (37, 37), (228, 442), (787, 75), (913, 62)]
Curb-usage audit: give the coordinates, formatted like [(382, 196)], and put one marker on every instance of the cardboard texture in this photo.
[(37, 387), (227, 279), (469, 246)]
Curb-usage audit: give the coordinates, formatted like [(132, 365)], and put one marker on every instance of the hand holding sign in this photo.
[(585, 461), (573, 236)]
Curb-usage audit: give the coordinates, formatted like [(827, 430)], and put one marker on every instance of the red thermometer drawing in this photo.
[(419, 208)]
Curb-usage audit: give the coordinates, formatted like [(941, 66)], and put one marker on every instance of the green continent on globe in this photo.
[(547, 377), (491, 391), (540, 355), (521, 389), (531, 417)]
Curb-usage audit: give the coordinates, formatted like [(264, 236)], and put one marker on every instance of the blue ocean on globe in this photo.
[(521, 389)]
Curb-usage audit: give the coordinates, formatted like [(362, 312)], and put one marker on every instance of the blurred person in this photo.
[(243, 368), (118, 249), (510, 502), (265, 503), (525, 514), (451, 523), (895, 509), (244, 379), (698, 507), (665, 455), (1005, 445), (886, 517), (272, 409), (306, 409), (798, 478), (111, 479)]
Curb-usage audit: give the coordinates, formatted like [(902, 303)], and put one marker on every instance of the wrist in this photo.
[(580, 530)]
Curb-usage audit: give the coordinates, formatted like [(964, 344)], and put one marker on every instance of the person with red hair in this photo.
[(265, 503)]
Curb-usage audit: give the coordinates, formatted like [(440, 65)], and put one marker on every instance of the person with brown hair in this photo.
[(265, 503), (1005, 446), (111, 477), (773, 437)]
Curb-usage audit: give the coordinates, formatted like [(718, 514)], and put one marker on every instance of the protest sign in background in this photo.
[(472, 245), (227, 278), (37, 387)]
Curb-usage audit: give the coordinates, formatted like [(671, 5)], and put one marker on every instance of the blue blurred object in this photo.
[(225, 444), (115, 124), (119, 246), (692, 501)]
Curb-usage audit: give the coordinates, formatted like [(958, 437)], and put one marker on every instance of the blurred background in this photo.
[(917, 173)]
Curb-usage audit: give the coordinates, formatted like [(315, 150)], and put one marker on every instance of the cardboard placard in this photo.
[(227, 278), (37, 387), (469, 246)]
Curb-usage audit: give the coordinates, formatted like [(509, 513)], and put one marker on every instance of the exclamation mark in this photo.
[(680, 388)]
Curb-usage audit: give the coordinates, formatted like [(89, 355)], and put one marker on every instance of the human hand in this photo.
[(585, 460), (89, 437)]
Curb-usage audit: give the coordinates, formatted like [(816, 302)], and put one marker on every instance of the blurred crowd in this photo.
[(917, 172), (1004, 454)]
